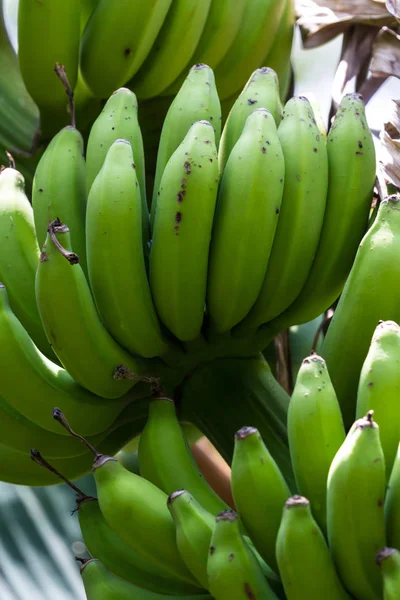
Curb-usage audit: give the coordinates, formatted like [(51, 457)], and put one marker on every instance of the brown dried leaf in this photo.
[(393, 6), (390, 146), (322, 20), (386, 54)]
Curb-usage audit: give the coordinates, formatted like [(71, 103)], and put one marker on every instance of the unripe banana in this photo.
[(260, 91), (255, 172), (364, 301), (232, 568), (303, 208), (32, 384), (133, 507), (59, 189), (116, 263), (118, 120), (48, 33), (101, 584), (259, 491), (122, 560), (379, 387), (256, 36), (315, 431), (182, 232), (196, 99), (388, 560), (116, 41), (19, 254), (355, 518), (351, 159), (165, 458), (174, 46), (304, 561), (392, 504), (72, 324)]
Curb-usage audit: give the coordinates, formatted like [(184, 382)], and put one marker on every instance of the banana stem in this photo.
[(62, 75), (58, 227)]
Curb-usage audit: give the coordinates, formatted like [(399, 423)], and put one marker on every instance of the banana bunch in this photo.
[(338, 535), (245, 232), (146, 46)]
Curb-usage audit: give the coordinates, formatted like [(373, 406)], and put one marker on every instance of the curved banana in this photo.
[(59, 189), (196, 99), (182, 232), (165, 458), (260, 91), (355, 497), (257, 34), (116, 264), (379, 387), (304, 560), (83, 345), (392, 503), (259, 491), (116, 41), (101, 584), (48, 33), (103, 543), (364, 301), (118, 120), (133, 507), (172, 49), (278, 58), (19, 254), (388, 560), (351, 160), (243, 232), (315, 431), (232, 568), (303, 207), (220, 29)]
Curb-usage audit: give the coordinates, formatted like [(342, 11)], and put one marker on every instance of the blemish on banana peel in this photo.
[(250, 101), (212, 549), (231, 557), (186, 166), (127, 52), (43, 256), (178, 219), (380, 502), (248, 591)]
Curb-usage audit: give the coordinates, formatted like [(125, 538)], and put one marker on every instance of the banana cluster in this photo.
[(147, 47), (246, 234), (339, 535)]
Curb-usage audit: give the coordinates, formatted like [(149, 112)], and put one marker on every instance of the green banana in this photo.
[(278, 58), (116, 264), (38, 53), (388, 560), (220, 30), (392, 503), (351, 160), (19, 254), (62, 289), (122, 560), (260, 91), (232, 568), (101, 584), (256, 36), (165, 458), (315, 431), (259, 491), (59, 189), (196, 99), (379, 387), (303, 207), (364, 301), (255, 171), (172, 49), (118, 120), (182, 232), (21, 434), (33, 385), (116, 40), (355, 518), (133, 507), (305, 564)]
